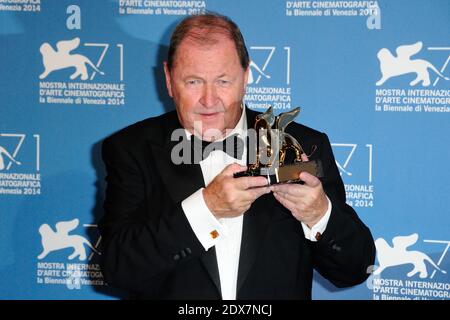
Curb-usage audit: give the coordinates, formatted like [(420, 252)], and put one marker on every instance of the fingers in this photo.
[(285, 188), (244, 183), (251, 182), (294, 191), (231, 196), (304, 157), (309, 179), (289, 195), (258, 192), (285, 202), (233, 168), (294, 198)]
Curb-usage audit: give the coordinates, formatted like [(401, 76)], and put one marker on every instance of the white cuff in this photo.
[(205, 226), (319, 227)]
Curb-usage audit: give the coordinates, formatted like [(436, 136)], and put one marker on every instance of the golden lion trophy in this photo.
[(272, 144)]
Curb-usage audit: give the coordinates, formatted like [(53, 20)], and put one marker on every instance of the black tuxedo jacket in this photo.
[(150, 249)]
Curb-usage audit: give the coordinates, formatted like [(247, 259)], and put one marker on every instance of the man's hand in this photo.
[(228, 197), (308, 202)]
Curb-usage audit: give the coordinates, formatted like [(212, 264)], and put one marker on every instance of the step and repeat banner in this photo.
[(373, 75)]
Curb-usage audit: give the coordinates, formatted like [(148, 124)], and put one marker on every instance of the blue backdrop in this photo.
[(372, 74)]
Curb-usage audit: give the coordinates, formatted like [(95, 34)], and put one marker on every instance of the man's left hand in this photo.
[(308, 202)]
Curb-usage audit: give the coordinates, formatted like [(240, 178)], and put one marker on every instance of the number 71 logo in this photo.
[(343, 163), (9, 152)]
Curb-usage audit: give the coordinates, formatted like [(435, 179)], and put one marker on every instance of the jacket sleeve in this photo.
[(346, 249), (142, 240)]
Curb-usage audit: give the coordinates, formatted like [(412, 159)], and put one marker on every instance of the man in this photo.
[(191, 230)]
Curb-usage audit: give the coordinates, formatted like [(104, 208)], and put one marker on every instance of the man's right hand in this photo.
[(228, 197)]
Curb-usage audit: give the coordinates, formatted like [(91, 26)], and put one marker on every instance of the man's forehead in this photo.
[(205, 42), (190, 51)]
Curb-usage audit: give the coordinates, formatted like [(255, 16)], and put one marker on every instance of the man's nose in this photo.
[(209, 96)]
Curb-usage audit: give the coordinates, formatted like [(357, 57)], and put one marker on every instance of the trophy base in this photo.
[(285, 174)]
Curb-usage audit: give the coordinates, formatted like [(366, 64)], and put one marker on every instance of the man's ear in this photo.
[(168, 79), (246, 78)]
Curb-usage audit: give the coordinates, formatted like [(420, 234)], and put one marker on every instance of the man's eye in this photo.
[(223, 82), (193, 82)]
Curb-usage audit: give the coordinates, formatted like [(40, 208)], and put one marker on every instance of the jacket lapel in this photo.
[(256, 221), (209, 260)]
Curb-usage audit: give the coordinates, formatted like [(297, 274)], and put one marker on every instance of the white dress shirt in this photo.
[(226, 233)]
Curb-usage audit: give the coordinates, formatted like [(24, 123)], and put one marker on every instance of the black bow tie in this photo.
[(233, 146)]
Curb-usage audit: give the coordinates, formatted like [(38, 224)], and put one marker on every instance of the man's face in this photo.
[(207, 84)]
